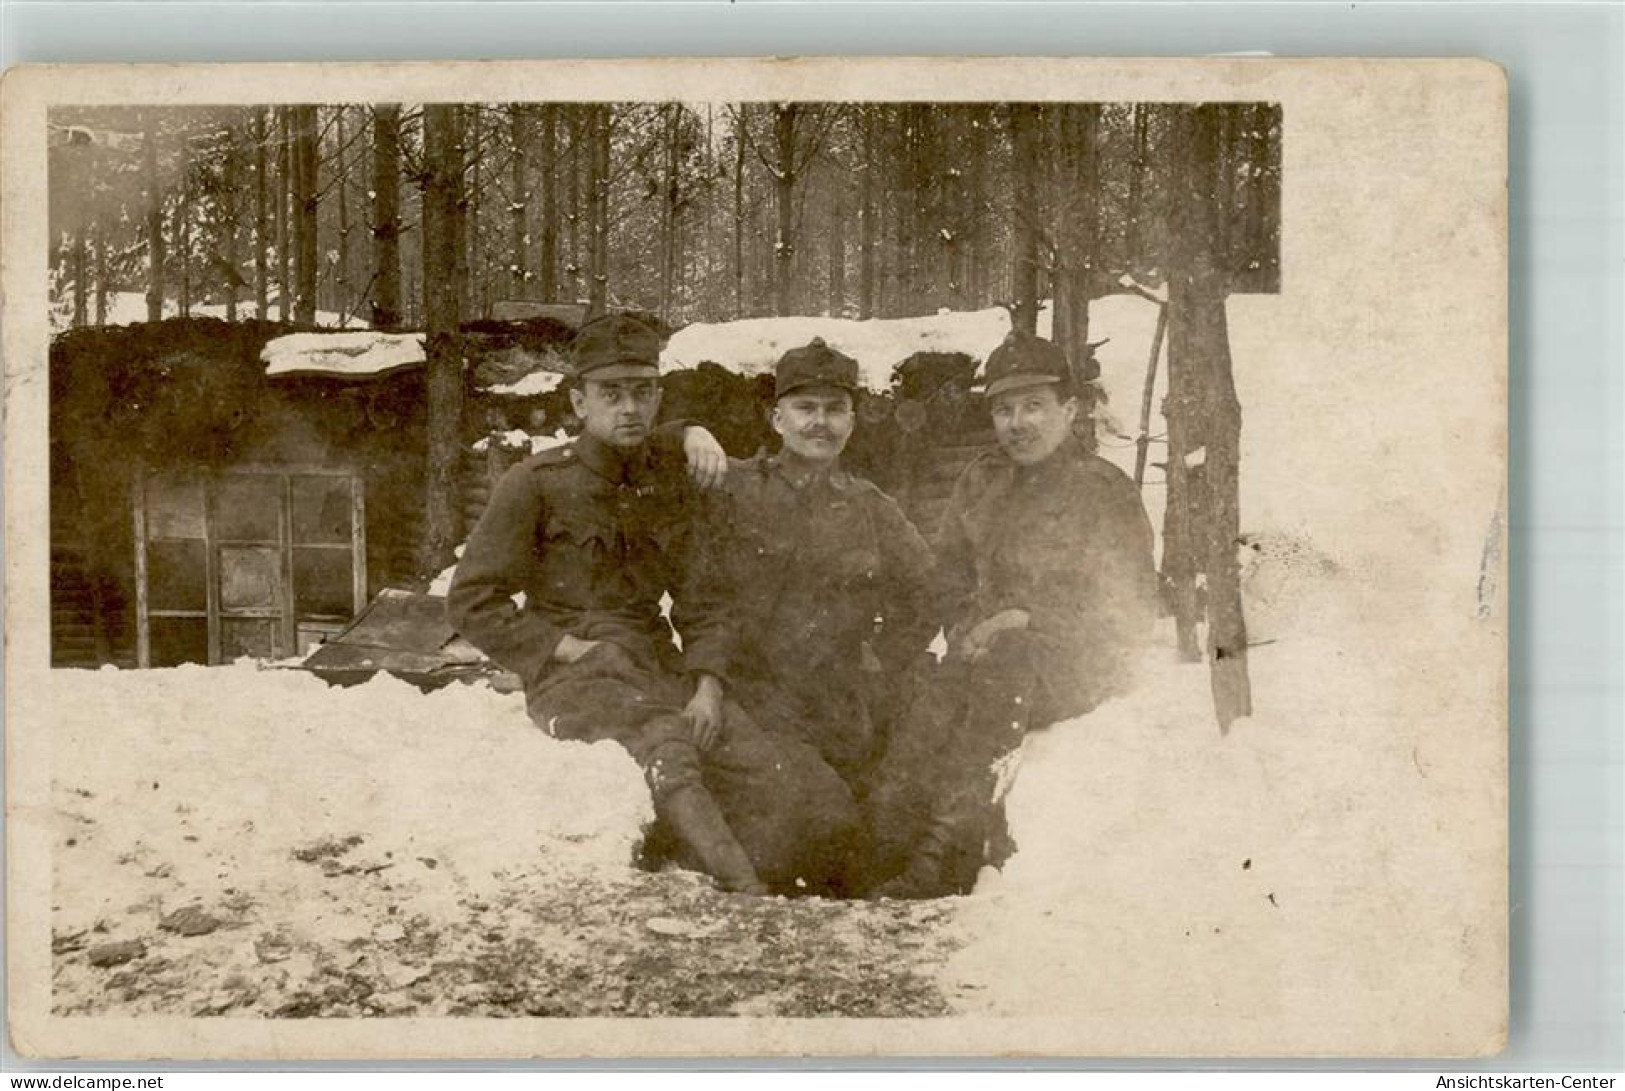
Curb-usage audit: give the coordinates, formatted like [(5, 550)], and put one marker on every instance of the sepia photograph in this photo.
[(849, 556)]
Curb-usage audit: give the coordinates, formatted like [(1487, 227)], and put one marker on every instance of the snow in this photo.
[(518, 437), (532, 385), (281, 762), (129, 308), (349, 354), (1154, 851), (752, 346)]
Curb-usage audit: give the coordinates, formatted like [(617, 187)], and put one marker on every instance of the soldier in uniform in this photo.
[(593, 534), (1046, 554), (832, 585)]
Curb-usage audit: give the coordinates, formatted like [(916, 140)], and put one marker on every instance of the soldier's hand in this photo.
[(707, 461), (979, 640), (703, 714), (571, 648)]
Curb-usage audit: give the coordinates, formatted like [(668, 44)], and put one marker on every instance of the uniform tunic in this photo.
[(1068, 542), (833, 598), (593, 537)]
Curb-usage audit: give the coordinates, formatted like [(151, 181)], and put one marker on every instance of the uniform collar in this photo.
[(798, 475), (613, 464), (1069, 454)]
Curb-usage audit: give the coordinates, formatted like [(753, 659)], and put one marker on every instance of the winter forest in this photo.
[(692, 212)]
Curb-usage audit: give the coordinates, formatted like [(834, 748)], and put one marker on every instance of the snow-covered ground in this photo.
[(128, 308)]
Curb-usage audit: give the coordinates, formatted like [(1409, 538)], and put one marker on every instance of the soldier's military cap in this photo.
[(814, 364), (1024, 360), (616, 346)]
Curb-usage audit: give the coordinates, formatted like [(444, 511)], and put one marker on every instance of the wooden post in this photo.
[(1142, 442)]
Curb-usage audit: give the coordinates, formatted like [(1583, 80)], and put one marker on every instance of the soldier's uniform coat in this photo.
[(833, 597), (1066, 540), (593, 537)]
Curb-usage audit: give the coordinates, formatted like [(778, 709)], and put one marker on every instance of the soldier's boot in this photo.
[(929, 872), (694, 819)]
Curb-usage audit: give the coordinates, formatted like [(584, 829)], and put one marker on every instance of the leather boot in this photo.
[(928, 873), (697, 823)]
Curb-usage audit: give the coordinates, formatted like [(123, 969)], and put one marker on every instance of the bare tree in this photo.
[(305, 199), (262, 241), (386, 216), (1024, 124), (549, 257), (518, 202), (442, 298), (599, 121)]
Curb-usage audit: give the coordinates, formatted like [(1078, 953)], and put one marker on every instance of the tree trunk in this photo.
[(866, 217), (81, 273), (155, 220), (262, 242), (442, 265), (101, 272), (598, 185), (183, 229), (976, 208), (518, 204), (671, 195), (784, 184), (228, 216), (342, 282), (386, 216), (579, 128), (837, 245), (1202, 400), (479, 280), (305, 202), (549, 259), (284, 193), (1026, 165), (741, 131)]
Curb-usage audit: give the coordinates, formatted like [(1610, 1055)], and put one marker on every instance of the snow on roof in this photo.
[(360, 353), (752, 346)]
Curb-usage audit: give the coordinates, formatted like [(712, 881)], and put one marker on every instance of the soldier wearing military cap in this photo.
[(832, 585), (593, 534), (1046, 555)]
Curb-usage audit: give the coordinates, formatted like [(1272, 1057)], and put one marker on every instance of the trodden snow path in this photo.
[(248, 841)]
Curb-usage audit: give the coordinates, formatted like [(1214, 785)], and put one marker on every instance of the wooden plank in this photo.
[(358, 542), (143, 636)]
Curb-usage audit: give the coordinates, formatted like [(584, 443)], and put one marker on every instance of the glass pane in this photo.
[(321, 582), (247, 507), (247, 636), (321, 509), (177, 640), (174, 508), (176, 576), (250, 578)]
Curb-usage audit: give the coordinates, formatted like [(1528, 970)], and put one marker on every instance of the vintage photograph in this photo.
[(770, 556)]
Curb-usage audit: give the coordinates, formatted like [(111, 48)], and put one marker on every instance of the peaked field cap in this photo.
[(814, 364), (1025, 360), (628, 345)]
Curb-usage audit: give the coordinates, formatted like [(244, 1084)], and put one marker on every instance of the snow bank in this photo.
[(352, 354), (1153, 852), (219, 775)]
